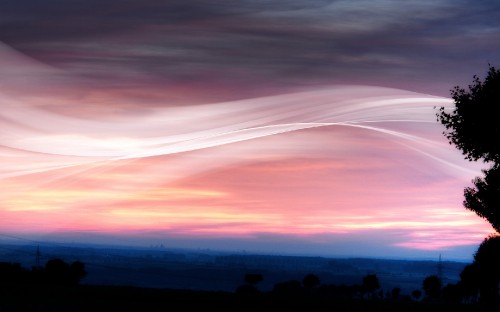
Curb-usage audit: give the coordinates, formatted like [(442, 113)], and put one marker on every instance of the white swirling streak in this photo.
[(172, 130)]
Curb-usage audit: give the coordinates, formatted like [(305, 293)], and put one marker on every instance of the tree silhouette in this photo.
[(370, 286), (310, 281), (11, 273), (452, 293), (371, 283), (473, 127), (432, 287), (416, 294), (487, 260), (470, 280), (76, 272), (484, 199), (395, 293), (249, 288), (58, 272)]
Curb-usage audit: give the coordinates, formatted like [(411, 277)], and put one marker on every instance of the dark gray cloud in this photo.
[(421, 45)]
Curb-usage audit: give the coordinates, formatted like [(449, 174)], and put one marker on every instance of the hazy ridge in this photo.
[(160, 267)]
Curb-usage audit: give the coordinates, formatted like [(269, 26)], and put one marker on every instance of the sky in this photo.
[(288, 127)]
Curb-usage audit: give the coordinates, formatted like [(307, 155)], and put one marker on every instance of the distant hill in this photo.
[(221, 271)]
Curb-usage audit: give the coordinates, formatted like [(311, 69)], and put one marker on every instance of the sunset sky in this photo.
[(295, 127)]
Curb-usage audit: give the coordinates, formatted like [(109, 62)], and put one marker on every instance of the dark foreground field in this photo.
[(111, 298)]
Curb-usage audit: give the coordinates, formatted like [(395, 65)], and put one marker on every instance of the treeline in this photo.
[(55, 272), (478, 285), (472, 289), (311, 286)]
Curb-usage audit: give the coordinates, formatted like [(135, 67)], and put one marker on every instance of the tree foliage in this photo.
[(484, 198), (473, 125), (487, 260)]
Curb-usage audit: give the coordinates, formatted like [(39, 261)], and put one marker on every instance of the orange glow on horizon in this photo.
[(239, 208)]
